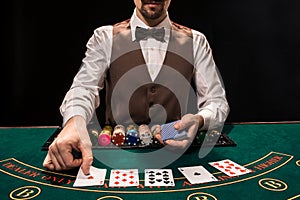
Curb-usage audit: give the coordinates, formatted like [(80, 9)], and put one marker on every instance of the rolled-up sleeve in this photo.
[(83, 96), (210, 89)]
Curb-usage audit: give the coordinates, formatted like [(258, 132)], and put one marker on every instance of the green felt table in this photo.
[(270, 150)]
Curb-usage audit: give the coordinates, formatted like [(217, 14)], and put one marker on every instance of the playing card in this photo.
[(197, 174), (124, 178), (96, 177), (230, 168), (169, 132), (159, 177)]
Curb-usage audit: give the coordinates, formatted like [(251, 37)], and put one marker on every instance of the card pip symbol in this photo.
[(197, 174)]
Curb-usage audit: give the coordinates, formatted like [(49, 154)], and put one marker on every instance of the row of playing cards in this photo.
[(125, 177), (157, 177), (198, 174)]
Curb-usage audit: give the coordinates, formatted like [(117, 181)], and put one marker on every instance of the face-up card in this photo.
[(169, 132), (159, 177), (124, 178), (197, 174), (96, 177), (230, 168)]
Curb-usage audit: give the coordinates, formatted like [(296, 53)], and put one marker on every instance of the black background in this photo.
[(255, 45)]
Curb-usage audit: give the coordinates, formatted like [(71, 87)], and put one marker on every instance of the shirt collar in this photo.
[(135, 21)]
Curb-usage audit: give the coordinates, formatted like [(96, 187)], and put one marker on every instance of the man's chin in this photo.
[(152, 1)]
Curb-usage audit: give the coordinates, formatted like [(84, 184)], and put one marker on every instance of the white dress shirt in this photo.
[(83, 96)]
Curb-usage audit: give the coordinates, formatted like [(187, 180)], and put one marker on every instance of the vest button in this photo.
[(153, 89)]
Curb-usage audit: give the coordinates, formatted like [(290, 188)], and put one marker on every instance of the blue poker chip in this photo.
[(132, 137)]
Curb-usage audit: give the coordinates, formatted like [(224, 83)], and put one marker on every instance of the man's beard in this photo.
[(151, 1), (156, 14)]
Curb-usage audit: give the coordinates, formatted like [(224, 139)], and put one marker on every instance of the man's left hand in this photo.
[(191, 123)]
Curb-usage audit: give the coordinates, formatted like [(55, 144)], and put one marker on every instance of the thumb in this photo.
[(187, 121), (48, 162), (177, 125), (180, 125), (87, 159)]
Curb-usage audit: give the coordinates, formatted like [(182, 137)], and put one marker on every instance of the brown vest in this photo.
[(129, 91)]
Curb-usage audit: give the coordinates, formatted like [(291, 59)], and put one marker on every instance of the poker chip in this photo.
[(145, 134), (108, 127), (93, 133), (200, 137), (132, 135), (212, 135), (118, 139), (155, 129), (118, 136), (119, 128), (131, 127), (104, 138)]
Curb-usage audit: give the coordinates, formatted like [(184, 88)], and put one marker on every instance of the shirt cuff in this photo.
[(74, 111), (206, 114)]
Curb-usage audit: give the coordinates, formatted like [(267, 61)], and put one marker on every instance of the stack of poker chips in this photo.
[(155, 130), (132, 135), (118, 135), (200, 136), (212, 136), (94, 134), (104, 137), (145, 134)]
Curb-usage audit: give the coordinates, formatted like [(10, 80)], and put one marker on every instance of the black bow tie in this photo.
[(157, 33)]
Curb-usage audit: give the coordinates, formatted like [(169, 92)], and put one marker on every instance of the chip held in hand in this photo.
[(169, 132)]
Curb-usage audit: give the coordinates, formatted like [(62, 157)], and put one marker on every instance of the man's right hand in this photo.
[(74, 136)]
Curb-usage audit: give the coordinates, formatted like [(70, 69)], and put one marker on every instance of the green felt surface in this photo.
[(270, 150)]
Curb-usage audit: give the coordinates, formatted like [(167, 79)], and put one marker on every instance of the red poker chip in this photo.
[(118, 139)]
